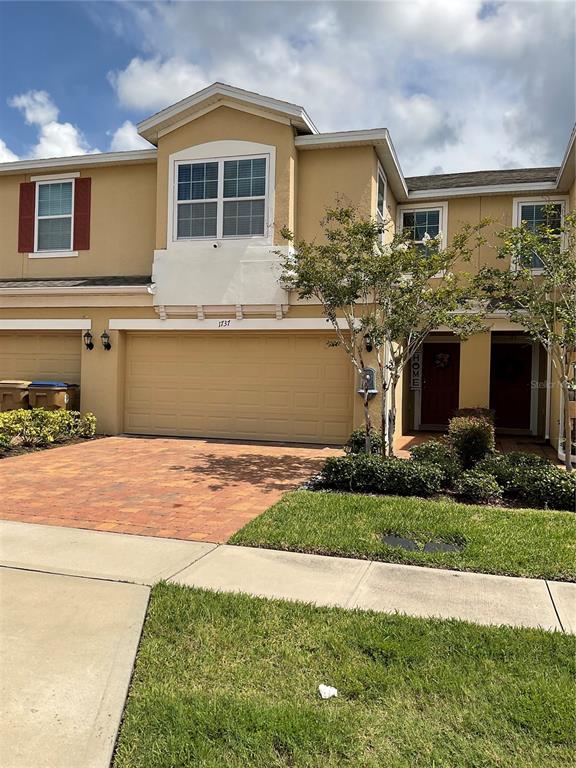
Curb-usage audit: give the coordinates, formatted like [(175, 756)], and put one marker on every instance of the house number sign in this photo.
[(416, 371), (223, 323)]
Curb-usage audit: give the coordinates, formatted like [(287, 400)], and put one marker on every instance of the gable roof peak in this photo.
[(212, 96)]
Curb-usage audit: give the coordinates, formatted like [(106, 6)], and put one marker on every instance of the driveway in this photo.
[(199, 490)]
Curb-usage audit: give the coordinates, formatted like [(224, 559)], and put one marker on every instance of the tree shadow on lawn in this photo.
[(265, 472)]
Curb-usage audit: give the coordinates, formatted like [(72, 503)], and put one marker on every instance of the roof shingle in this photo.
[(79, 282), (481, 178)]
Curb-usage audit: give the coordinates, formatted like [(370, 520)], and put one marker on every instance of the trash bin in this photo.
[(53, 395), (13, 394)]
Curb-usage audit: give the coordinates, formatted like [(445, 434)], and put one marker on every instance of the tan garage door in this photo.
[(244, 386), (47, 355)]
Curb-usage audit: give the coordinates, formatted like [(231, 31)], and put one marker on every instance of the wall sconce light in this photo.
[(105, 337), (88, 343), (368, 343)]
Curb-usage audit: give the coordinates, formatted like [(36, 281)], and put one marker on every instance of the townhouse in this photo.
[(150, 278)]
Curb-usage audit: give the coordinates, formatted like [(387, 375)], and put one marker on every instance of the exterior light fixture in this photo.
[(105, 337), (368, 344), (88, 343)]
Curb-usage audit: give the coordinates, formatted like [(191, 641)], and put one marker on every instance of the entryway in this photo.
[(440, 383), (511, 383)]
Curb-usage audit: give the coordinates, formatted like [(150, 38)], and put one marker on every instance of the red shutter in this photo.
[(26, 217), (82, 188)]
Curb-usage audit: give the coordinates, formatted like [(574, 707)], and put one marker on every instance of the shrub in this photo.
[(507, 467), (472, 439), (488, 414), (38, 427), (374, 474), (545, 486), (441, 455), (357, 441), (477, 487)]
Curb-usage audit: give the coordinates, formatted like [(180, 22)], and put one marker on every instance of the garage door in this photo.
[(244, 386), (43, 355)]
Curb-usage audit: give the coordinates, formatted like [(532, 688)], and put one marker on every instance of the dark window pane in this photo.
[(54, 234), (184, 173), (211, 171), (259, 167), (433, 218), (408, 220), (231, 169)]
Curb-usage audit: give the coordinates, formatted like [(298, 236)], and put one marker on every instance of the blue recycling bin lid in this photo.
[(50, 384)]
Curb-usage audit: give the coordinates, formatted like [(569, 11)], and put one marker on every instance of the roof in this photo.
[(128, 281), (215, 95), (131, 156), (481, 178)]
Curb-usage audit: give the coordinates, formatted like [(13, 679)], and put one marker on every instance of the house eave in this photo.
[(78, 161), (161, 121), (492, 189)]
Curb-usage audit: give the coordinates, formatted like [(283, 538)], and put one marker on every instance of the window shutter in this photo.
[(26, 217), (82, 189)]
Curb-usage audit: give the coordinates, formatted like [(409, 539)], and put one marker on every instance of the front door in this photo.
[(510, 385), (440, 383)]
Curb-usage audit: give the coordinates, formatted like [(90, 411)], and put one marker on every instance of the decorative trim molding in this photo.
[(79, 324), (223, 324), (492, 189), (94, 291)]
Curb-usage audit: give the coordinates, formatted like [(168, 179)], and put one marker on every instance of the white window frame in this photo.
[(381, 175), (442, 208), (220, 200), (45, 254), (518, 202)]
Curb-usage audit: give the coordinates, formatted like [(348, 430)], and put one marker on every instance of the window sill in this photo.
[(53, 255)]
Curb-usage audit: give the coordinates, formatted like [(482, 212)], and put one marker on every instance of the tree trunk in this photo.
[(384, 417), (567, 428), (392, 414), (367, 421)]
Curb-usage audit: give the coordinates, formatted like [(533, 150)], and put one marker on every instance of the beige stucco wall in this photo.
[(122, 224), (222, 124), (324, 175)]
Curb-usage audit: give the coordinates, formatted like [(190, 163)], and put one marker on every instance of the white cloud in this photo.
[(6, 154), (55, 139), (37, 106), (461, 85), (152, 84), (126, 137)]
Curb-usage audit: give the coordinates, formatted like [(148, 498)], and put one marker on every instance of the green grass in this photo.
[(517, 542), (230, 681)]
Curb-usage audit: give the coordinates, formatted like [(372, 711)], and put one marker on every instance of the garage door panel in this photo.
[(271, 387)]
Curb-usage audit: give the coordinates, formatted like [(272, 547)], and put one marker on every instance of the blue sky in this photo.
[(461, 84)]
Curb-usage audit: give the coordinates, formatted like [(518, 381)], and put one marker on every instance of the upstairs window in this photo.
[(541, 214), (381, 196), (54, 214), (420, 223), (221, 198)]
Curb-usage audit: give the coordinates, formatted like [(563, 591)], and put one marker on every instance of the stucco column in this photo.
[(102, 380), (475, 371)]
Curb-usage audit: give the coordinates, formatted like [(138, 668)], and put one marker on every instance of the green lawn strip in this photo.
[(516, 542), (231, 681)]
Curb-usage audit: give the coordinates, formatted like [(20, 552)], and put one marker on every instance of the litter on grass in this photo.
[(327, 692)]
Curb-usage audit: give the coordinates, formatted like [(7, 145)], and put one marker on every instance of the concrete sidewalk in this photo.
[(72, 606), (344, 582)]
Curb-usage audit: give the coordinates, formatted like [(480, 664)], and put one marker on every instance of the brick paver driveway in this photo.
[(187, 489)]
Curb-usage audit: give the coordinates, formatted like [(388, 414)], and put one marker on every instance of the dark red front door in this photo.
[(510, 385), (440, 383)]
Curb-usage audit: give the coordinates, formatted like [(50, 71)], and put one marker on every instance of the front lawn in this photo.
[(231, 681), (516, 542)]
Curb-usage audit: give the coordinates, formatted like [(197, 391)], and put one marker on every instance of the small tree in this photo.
[(384, 298), (538, 293)]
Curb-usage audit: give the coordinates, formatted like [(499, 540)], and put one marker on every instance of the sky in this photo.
[(460, 84)]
